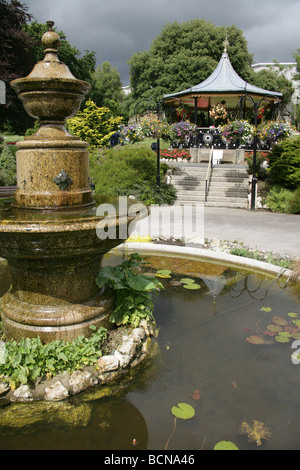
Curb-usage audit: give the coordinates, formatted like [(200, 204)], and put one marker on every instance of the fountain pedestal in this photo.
[(49, 233)]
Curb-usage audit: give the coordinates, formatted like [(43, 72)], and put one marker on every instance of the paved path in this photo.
[(259, 229)]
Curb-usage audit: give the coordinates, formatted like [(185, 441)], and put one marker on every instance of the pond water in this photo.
[(204, 360)]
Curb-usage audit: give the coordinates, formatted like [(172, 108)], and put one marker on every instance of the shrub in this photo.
[(7, 165), (122, 171), (284, 163), (280, 200), (295, 202), (94, 125)]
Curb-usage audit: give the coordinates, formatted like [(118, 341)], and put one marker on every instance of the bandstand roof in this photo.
[(224, 84)]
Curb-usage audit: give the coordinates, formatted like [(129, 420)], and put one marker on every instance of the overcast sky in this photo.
[(115, 29)]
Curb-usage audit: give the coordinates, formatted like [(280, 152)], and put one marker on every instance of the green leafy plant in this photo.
[(133, 291), (24, 361)]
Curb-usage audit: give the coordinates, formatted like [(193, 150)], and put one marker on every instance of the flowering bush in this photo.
[(238, 130), (182, 130), (174, 154), (151, 126), (133, 133), (218, 112), (274, 131)]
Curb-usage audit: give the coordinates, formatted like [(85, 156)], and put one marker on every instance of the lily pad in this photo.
[(225, 445), (293, 315), (190, 284), (266, 309), (274, 328), (183, 411), (283, 337), (279, 321), (163, 273), (255, 339), (187, 280)]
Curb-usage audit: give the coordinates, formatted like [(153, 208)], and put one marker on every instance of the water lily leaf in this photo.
[(279, 321), (296, 322), (187, 280), (274, 328), (296, 335), (291, 329), (196, 394), (163, 273), (283, 337), (270, 333), (255, 339), (225, 445), (191, 286), (183, 411), (293, 315), (266, 309), (256, 432)]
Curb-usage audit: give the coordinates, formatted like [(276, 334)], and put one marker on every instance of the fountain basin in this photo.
[(54, 260)]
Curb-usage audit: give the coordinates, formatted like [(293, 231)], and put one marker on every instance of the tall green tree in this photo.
[(274, 80), (107, 88), (185, 54)]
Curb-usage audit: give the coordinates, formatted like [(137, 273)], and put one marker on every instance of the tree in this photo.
[(274, 80), (16, 61), (107, 89), (185, 54)]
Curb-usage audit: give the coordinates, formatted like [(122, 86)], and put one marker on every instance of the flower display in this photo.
[(274, 131), (239, 130), (151, 126), (175, 154), (218, 112), (132, 133), (182, 130)]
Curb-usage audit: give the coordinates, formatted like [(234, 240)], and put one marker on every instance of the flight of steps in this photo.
[(228, 185)]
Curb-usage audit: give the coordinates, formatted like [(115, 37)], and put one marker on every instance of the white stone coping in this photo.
[(206, 255)]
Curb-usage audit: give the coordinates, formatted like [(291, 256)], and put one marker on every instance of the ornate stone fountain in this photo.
[(48, 234)]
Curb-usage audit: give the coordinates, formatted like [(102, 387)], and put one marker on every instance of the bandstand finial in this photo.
[(226, 43)]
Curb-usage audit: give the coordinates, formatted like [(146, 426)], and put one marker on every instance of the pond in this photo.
[(208, 356)]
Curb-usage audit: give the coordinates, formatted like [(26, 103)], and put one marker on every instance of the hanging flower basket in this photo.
[(132, 133), (182, 131), (153, 127), (218, 112), (237, 131), (273, 132)]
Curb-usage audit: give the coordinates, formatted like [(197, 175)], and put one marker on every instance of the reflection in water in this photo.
[(106, 424), (203, 348)]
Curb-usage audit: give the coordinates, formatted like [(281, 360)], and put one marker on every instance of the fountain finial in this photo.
[(50, 39)]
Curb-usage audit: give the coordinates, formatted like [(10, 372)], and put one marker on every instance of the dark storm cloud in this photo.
[(115, 29)]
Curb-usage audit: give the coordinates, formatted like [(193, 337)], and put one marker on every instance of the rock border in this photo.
[(134, 348)]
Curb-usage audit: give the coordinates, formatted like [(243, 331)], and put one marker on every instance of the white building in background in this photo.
[(126, 90), (288, 69)]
